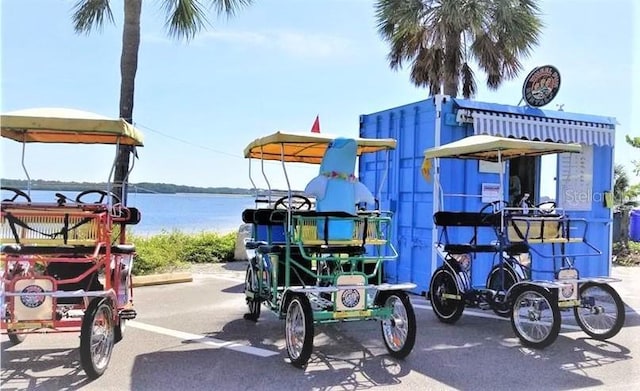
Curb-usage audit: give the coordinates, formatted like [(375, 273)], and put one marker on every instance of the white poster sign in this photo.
[(491, 192), (490, 167), (575, 182)]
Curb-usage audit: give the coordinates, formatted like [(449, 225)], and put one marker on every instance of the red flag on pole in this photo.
[(316, 125)]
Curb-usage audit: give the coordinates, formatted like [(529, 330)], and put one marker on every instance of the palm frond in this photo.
[(494, 33), (469, 86), (427, 69), (229, 7), (398, 24), (90, 14), (185, 18)]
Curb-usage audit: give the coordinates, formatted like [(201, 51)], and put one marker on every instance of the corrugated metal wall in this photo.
[(406, 193)]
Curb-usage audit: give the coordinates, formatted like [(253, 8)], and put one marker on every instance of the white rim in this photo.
[(396, 328), (533, 316), (295, 329), (101, 337), (601, 317)]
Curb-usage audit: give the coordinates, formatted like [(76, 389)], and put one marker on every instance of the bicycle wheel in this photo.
[(601, 312), (15, 337), (96, 337), (446, 298), (299, 330), (399, 331), (535, 316), (251, 285), (500, 283)]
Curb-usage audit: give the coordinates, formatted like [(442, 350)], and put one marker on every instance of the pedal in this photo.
[(129, 314)]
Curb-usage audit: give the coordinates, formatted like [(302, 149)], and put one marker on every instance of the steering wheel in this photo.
[(547, 207), (114, 198), (495, 205), (17, 193), (491, 216), (61, 199), (283, 203)]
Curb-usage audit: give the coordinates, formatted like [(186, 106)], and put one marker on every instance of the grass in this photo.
[(174, 250)]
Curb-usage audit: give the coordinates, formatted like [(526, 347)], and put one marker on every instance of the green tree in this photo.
[(634, 142), (184, 20), (442, 38), (624, 192), (620, 184)]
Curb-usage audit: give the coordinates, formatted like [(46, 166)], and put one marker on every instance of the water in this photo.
[(189, 213)]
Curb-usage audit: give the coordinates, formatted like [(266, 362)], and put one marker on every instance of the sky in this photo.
[(274, 66)]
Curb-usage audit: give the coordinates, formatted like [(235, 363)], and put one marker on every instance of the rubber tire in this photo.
[(555, 310), (252, 304), (302, 301), (411, 325), (509, 280), (118, 330), (86, 360), (620, 316), (16, 338), (445, 312)]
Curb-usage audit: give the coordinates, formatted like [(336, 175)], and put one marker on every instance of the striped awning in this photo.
[(538, 128)]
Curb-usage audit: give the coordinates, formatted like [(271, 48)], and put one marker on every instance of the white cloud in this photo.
[(311, 45), (294, 43), (237, 37)]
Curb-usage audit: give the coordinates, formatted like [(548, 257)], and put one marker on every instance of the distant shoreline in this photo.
[(134, 188)]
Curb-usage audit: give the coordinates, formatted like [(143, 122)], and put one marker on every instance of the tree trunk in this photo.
[(452, 64), (128, 69), (624, 226)]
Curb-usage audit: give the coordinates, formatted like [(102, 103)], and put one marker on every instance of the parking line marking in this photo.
[(491, 316), (218, 343)]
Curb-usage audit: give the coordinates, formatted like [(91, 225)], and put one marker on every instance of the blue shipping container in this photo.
[(413, 199)]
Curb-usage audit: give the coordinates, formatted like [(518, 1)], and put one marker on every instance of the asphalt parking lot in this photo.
[(193, 336)]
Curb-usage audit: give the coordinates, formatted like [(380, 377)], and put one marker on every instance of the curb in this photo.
[(160, 279)]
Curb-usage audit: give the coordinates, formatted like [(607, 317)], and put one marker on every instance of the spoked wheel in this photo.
[(535, 317), (499, 304), (251, 285), (399, 331), (96, 337), (446, 298), (299, 330), (601, 312)]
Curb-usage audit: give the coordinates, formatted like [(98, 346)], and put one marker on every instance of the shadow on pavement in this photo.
[(28, 369)]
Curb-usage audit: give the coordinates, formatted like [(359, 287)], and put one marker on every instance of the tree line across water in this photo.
[(143, 187)]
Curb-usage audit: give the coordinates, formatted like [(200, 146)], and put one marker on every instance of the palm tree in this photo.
[(185, 19), (441, 38)]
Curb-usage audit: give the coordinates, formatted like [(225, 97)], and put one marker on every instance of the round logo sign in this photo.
[(32, 301), (541, 85), (567, 291), (350, 298)]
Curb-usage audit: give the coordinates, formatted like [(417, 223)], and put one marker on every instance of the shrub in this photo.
[(210, 247), (173, 250)]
